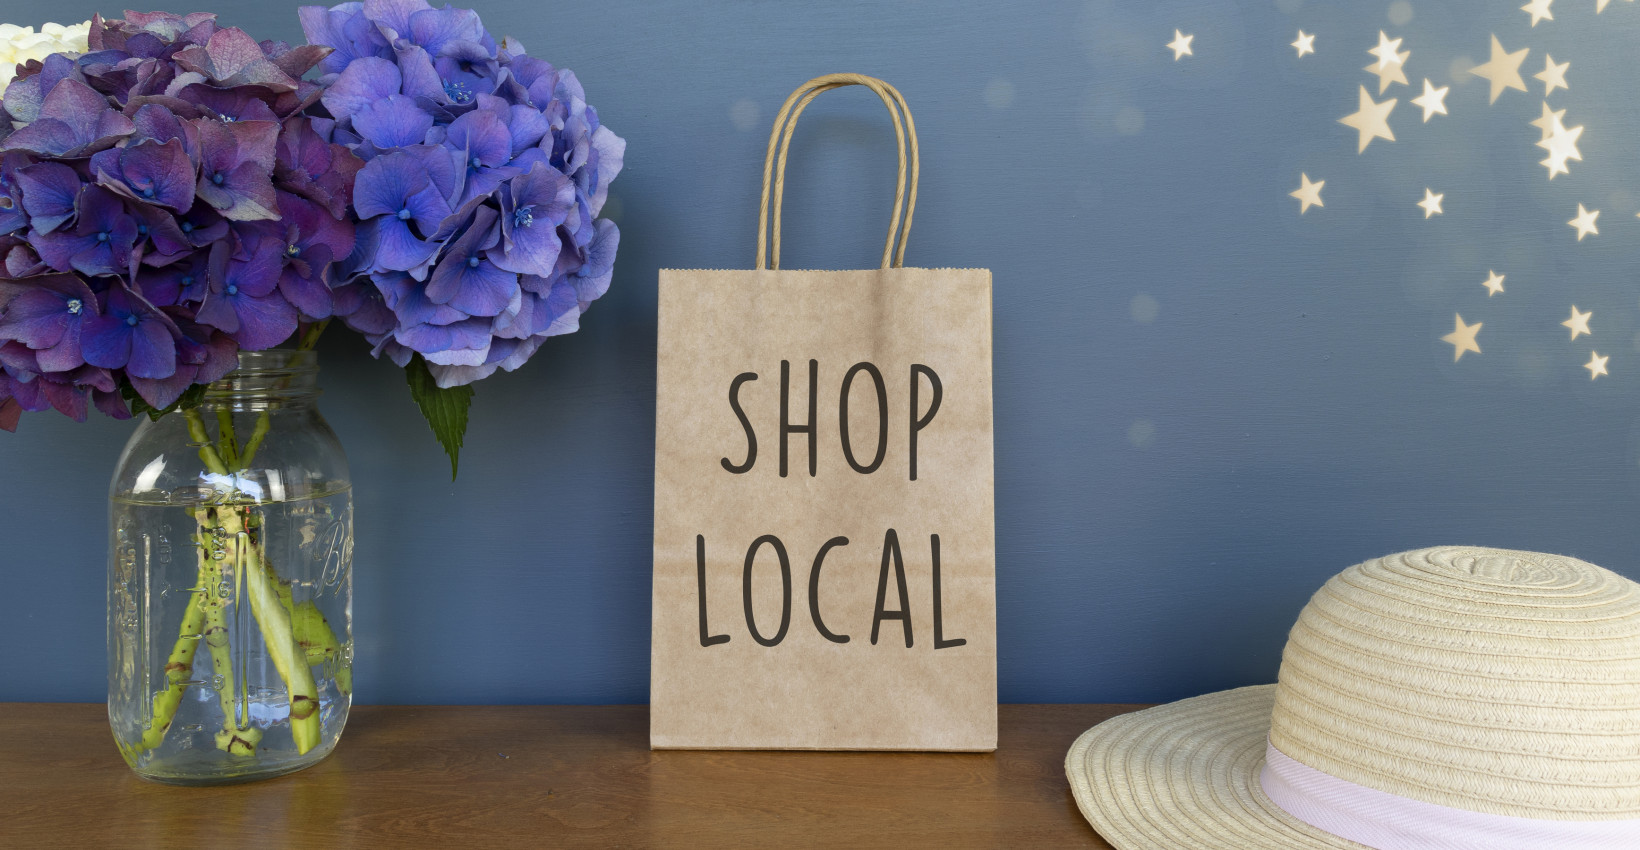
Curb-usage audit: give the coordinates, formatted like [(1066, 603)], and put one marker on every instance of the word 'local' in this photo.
[(891, 557)]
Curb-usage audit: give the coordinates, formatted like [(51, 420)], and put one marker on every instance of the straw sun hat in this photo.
[(1444, 699)]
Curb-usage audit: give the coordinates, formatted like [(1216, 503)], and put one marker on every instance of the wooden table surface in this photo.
[(545, 776)]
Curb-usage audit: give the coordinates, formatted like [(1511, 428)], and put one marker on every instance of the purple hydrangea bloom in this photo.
[(243, 298), (149, 172), (312, 241), (74, 120), (466, 278), (203, 355), (12, 216), (236, 171), (397, 201), (543, 194), (485, 172), (166, 200), (50, 191), (131, 334), (101, 241), (48, 316)]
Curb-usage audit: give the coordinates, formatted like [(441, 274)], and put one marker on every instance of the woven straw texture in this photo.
[(1481, 679), (1184, 776)]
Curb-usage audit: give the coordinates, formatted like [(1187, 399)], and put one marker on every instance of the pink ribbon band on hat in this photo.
[(1386, 821)]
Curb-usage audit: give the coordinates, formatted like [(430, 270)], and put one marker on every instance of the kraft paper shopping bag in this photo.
[(824, 523)]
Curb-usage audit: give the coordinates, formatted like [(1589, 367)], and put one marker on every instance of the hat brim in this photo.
[(1184, 776)]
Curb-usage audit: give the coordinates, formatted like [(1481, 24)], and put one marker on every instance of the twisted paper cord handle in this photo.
[(780, 137)]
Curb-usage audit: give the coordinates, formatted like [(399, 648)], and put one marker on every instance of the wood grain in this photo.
[(545, 776)]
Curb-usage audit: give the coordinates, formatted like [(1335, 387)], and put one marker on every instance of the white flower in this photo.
[(20, 44)]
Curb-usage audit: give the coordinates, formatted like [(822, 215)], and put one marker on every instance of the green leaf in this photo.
[(445, 409), (189, 400)]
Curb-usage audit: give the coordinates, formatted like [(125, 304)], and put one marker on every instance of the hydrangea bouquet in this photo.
[(166, 203), (180, 193), (175, 192)]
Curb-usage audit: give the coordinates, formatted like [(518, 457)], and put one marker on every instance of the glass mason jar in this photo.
[(230, 582)]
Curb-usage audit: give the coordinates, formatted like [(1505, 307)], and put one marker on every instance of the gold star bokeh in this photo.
[(1552, 75), (1389, 65), (1561, 144), (1387, 51), (1560, 140), (1462, 339), (1370, 120), (1583, 223), (1308, 193), (1431, 203), (1596, 365), (1502, 70), (1180, 45), (1579, 322), (1305, 43), (1432, 101), (1539, 10), (1550, 119)]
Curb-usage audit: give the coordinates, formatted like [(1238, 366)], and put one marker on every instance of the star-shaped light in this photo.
[(1579, 323), (1462, 338), (1391, 73), (1433, 100), (1552, 75), (1308, 194), (1585, 222), (1596, 365), (1304, 44), (1493, 283), (1549, 120), (1370, 120), (1180, 45), (1562, 146), (1431, 203), (1600, 5), (1386, 51), (1539, 10), (1388, 67), (1502, 70)]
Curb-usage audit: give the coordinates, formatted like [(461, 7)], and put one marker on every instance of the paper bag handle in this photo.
[(776, 167)]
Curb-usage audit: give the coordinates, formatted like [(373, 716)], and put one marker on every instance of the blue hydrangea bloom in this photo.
[(485, 172)]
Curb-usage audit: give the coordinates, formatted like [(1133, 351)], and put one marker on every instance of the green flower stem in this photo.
[(179, 669), (235, 738), (314, 635), (310, 338), (271, 617), (216, 640), (258, 434), (207, 454), (319, 641), (227, 442), (274, 622)]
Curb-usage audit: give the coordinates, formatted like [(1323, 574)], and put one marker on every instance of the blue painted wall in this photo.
[(1206, 403)]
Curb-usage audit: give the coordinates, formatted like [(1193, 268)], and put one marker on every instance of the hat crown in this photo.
[(1481, 679)]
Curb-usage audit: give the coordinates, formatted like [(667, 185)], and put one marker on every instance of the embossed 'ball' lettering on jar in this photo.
[(230, 585)]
